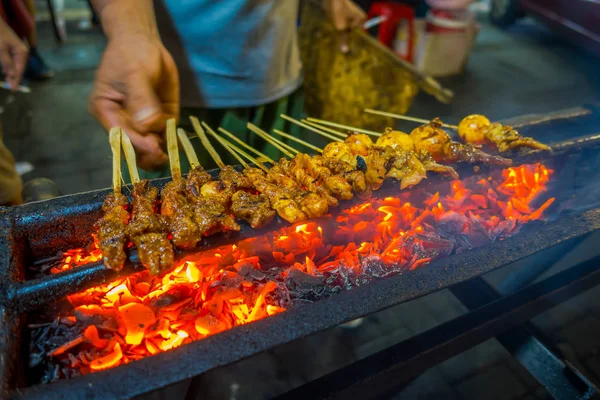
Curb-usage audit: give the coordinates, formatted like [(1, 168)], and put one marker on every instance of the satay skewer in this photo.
[(311, 128), (188, 148), (325, 129), (237, 152), (295, 139), (205, 142), (268, 138), (282, 144), (173, 149), (114, 138), (130, 158), (341, 126), (245, 145), (405, 117)]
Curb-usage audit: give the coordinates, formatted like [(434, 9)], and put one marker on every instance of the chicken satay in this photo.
[(211, 216), (210, 203), (397, 140), (311, 177), (359, 144), (112, 230), (255, 209), (407, 168), (432, 138), (393, 157), (341, 151), (477, 129), (176, 208), (195, 180), (148, 231), (430, 165), (402, 142), (311, 203), (355, 177), (282, 199)]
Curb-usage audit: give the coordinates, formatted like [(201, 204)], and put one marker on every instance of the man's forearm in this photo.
[(126, 17)]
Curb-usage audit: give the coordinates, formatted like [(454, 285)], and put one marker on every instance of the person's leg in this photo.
[(10, 182), (36, 69)]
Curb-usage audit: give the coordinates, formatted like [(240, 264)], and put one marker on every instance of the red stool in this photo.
[(394, 14)]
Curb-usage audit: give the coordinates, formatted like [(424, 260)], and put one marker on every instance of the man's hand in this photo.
[(345, 14), (13, 55), (137, 89), (137, 85), (450, 5)]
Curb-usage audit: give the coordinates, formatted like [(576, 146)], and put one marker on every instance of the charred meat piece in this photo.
[(477, 129), (211, 216), (255, 209), (432, 138), (196, 178), (148, 230), (282, 199), (233, 179), (178, 214), (112, 230)]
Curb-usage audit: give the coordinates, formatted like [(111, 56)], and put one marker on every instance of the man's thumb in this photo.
[(144, 106)]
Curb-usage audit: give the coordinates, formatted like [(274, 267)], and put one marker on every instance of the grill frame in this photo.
[(244, 341)]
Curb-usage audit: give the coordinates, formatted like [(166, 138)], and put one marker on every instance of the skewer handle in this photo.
[(173, 149), (295, 139), (227, 147), (114, 138), (268, 138), (205, 142), (310, 128), (317, 121), (188, 148), (130, 157), (245, 145), (405, 117), (325, 129)]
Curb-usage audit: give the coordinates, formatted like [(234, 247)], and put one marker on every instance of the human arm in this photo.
[(136, 85), (345, 14), (13, 55)]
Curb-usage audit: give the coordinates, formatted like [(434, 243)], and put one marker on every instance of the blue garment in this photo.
[(233, 53)]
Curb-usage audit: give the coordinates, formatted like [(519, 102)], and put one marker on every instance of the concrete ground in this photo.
[(527, 69)]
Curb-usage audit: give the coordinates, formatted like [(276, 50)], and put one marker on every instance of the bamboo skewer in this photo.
[(266, 137), (280, 143), (229, 149), (235, 151), (245, 145), (130, 157), (295, 139), (325, 129), (173, 149), (341, 126), (188, 148), (407, 118), (205, 142), (310, 128), (114, 138)]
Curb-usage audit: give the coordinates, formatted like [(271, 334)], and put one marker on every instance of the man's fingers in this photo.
[(8, 67), (148, 147), (20, 59), (143, 105), (149, 150)]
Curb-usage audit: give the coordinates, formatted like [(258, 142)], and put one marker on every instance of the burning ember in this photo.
[(210, 292)]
